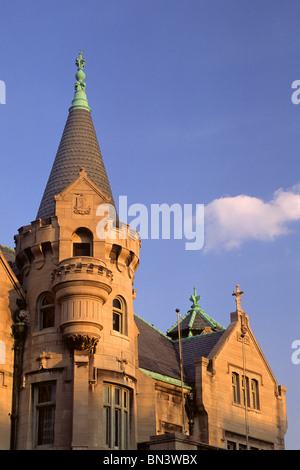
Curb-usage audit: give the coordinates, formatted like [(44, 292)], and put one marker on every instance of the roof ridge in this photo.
[(152, 326), (176, 324), (7, 247), (194, 313)]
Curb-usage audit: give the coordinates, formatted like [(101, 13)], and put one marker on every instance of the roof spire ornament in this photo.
[(80, 100), (195, 299), (243, 319), (238, 298)]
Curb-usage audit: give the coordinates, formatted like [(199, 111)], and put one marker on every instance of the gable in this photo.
[(80, 198), (233, 349)]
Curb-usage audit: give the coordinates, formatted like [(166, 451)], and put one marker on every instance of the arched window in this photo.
[(82, 242), (119, 312), (46, 310), (254, 394), (235, 387)]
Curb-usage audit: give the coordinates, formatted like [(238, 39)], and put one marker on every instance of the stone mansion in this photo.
[(79, 369)]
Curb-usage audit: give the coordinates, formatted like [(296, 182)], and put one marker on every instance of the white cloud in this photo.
[(231, 221)]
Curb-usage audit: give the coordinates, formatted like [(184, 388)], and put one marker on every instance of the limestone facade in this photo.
[(80, 370)]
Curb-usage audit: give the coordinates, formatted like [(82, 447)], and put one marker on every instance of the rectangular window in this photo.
[(117, 321), (245, 390), (254, 394), (231, 445), (235, 387), (242, 447), (81, 249), (107, 421), (117, 425), (116, 416), (45, 399)]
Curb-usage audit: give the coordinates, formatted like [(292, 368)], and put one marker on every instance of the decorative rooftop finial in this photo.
[(80, 62), (195, 299), (238, 298), (80, 100)]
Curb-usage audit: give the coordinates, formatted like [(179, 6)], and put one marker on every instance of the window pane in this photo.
[(254, 390), (117, 427), (81, 249), (125, 430), (231, 445), (117, 396), (46, 393), (48, 300), (117, 304), (46, 425), (106, 394), (235, 388), (48, 317), (116, 321), (107, 426)]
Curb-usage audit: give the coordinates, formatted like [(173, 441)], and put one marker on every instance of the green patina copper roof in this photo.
[(195, 322), (80, 100), (164, 378), (159, 353)]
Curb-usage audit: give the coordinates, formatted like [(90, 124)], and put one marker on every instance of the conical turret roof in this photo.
[(78, 148)]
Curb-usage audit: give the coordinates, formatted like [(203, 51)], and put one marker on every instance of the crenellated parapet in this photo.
[(81, 269)]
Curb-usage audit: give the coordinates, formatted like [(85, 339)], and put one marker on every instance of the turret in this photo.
[(79, 291)]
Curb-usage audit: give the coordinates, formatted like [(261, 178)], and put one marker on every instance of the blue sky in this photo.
[(191, 102)]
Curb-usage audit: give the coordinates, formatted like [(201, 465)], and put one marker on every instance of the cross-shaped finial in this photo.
[(238, 297)]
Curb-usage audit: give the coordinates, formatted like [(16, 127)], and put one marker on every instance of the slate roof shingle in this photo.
[(156, 351), (160, 354), (78, 148)]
